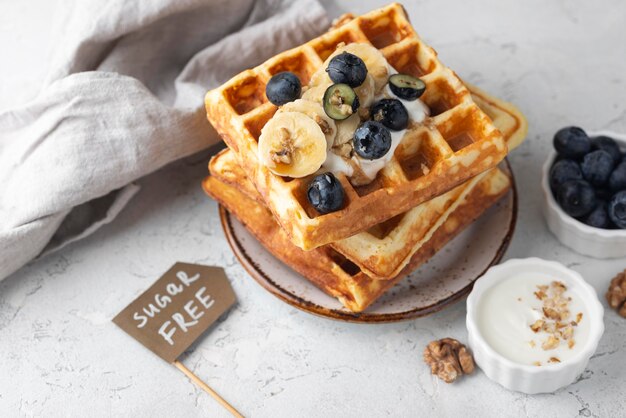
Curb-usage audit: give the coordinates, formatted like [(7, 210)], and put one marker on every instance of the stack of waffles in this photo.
[(441, 177)]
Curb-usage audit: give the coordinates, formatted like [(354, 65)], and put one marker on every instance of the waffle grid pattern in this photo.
[(383, 250), (326, 266), (456, 143), (329, 269)]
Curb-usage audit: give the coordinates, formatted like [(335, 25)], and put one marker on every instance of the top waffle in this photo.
[(384, 250), (457, 141)]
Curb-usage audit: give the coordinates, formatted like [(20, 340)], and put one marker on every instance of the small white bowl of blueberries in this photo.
[(584, 183)]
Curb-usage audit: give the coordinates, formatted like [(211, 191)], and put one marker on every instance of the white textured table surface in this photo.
[(562, 62)]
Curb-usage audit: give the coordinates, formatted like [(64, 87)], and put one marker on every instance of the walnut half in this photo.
[(448, 359), (616, 295)]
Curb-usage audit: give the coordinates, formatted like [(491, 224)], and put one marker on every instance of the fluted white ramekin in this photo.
[(584, 239), (528, 378)]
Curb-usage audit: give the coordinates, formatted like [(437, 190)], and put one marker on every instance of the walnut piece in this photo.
[(540, 294), (343, 150), (552, 313), (448, 359), (551, 343), (337, 100), (536, 327), (324, 126), (556, 316), (616, 295), (284, 152)]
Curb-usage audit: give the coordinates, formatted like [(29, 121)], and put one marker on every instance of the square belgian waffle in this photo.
[(385, 249), (329, 269), (347, 278), (457, 142)]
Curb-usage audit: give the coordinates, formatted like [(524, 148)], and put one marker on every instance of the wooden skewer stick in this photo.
[(180, 366)]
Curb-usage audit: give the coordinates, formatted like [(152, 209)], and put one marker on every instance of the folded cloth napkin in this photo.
[(123, 98)]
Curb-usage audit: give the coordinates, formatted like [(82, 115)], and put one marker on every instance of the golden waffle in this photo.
[(385, 249), (328, 269), (506, 117), (455, 144)]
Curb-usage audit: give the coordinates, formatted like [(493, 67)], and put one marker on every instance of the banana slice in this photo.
[(320, 77), (374, 60), (346, 128), (292, 144), (366, 92), (315, 111), (316, 93)]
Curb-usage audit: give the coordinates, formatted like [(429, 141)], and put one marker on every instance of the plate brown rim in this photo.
[(296, 301)]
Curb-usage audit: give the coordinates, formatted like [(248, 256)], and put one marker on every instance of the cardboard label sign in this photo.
[(169, 316)]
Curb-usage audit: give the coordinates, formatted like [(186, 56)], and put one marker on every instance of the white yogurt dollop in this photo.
[(337, 164), (417, 110), (508, 310), (371, 167)]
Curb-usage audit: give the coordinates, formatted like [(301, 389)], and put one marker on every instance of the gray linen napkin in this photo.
[(125, 97)]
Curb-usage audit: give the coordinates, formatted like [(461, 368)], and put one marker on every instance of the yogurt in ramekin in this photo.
[(533, 324)]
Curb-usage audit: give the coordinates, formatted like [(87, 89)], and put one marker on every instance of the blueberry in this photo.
[(283, 88), (617, 181), (572, 142), (609, 145), (576, 198), (347, 68), (617, 209), (604, 194), (371, 140), (325, 193), (340, 101), (406, 86), (562, 171), (391, 113), (599, 217), (597, 167)]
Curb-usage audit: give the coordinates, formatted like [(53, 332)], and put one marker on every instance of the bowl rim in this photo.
[(497, 273), (554, 206)]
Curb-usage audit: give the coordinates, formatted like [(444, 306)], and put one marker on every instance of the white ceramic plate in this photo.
[(444, 279)]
